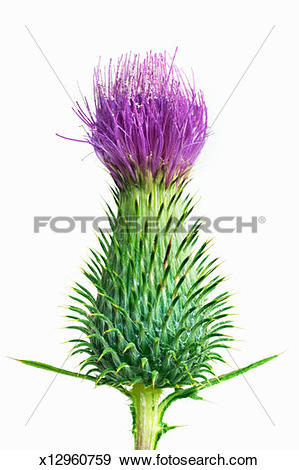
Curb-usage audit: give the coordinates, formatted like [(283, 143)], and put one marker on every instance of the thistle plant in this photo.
[(154, 317)]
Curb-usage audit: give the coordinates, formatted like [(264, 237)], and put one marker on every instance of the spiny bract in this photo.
[(153, 319)]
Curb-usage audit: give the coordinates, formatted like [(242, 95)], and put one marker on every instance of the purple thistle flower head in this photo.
[(148, 118)]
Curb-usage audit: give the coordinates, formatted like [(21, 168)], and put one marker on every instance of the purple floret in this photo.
[(147, 118)]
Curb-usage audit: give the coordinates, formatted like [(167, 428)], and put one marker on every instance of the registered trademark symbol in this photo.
[(262, 219)]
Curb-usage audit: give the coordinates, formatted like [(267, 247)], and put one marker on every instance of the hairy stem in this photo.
[(146, 416)]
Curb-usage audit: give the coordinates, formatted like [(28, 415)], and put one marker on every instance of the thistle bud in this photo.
[(154, 322)]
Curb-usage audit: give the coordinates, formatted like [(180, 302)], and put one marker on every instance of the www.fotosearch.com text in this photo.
[(152, 224)]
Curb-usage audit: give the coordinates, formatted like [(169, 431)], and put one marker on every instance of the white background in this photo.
[(249, 166)]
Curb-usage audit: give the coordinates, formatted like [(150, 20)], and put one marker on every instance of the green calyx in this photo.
[(154, 319)]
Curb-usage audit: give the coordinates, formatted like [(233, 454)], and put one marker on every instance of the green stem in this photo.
[(146, 416)]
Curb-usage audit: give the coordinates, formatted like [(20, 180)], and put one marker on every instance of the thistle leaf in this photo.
[(41, 365), (192, 391)]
